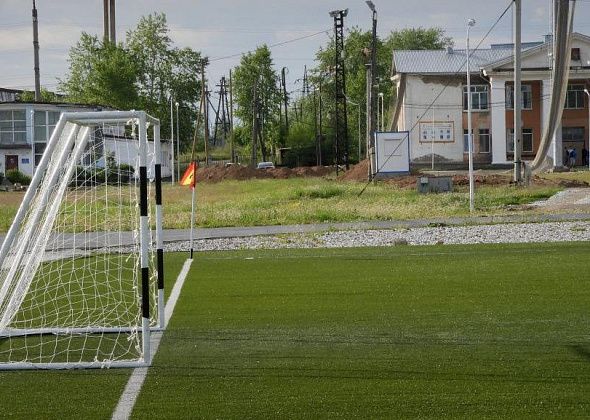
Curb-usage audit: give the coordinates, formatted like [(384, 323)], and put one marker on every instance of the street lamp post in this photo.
[(588, 149), (470, 23), (172, 135), (371, 89), (177, 145), (381, 100)]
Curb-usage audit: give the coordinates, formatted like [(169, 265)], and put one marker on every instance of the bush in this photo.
[(15, 176)]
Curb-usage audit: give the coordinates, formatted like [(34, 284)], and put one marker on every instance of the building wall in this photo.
[(446, 112), (531, 118)]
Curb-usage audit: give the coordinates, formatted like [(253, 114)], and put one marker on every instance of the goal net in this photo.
[(81, 274)]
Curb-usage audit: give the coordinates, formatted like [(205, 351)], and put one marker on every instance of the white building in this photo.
[(25, 129), (438, 77)]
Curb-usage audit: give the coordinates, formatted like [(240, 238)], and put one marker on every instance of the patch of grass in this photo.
[(323, 191), (305, 200), (459, 331)]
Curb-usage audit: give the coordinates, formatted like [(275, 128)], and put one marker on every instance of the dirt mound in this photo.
[(358, 172), (219, 173)]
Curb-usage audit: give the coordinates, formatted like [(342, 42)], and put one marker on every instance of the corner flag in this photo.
[(188, 178)]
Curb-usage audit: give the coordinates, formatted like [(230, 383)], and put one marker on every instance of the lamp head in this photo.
[(471, 22), (335, 13), (177, 104), (586, 91), (371, 5)]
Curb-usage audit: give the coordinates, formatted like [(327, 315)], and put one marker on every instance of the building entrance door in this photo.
[(11, 162)]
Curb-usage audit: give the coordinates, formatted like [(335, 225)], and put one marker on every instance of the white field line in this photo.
[(131, 391)]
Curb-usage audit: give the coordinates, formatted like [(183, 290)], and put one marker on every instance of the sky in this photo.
[(223, 28)]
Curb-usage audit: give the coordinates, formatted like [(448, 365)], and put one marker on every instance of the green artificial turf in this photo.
[(459, 331), (80, 394)]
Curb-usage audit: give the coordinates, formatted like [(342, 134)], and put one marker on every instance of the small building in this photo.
[(25, 129), (438, 77)]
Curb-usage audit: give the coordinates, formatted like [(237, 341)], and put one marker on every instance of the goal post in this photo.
[(81, 282)]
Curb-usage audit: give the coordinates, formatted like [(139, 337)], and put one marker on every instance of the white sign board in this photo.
[(437, 132), (392, 153)]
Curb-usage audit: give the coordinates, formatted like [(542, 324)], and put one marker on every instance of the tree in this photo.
[(255, 69), (144, 74), (165, 72), (46, 96), (101, 74), (418, 39)]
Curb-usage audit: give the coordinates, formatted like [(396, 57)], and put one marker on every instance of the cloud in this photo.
[(50, 36)]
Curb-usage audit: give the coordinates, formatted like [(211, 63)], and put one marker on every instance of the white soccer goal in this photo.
[(81, 283)]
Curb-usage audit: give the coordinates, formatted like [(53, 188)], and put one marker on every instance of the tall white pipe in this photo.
[(470, 23), (517, 106)]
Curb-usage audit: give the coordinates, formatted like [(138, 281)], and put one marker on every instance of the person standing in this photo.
[(573, 156)]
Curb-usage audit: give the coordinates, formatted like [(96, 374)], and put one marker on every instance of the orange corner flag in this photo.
[(189, 175)]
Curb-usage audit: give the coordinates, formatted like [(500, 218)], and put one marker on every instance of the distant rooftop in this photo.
[(451, 61)]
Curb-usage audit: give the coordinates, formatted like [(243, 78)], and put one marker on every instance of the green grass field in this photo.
[(292, 201), (459, 331)]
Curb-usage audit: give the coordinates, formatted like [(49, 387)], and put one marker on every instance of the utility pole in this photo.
[(177, 144), (320, 135), (305, 90), (371, 90), (340, 125), (36, 54), (231, 118), (254, 124), (517, 94), (285, 99), (105, 21), (221, 114), (113, 37), (315, 128), (172, 133), (109, 21), (205, 107)]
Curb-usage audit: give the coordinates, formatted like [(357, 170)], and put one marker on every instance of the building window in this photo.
[(466, 141), (527, 140), (479, 97), (575, 97), (484, 140), (575, 54), (44, 124), (573, 134), (13, 127), (526, 97)]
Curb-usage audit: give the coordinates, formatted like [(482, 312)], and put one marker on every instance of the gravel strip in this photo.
[(500, 233)]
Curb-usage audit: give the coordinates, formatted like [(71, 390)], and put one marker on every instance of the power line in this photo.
[(278, 44), (459, 71)]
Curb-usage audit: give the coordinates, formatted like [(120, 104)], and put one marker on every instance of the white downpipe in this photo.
[(470, 23)]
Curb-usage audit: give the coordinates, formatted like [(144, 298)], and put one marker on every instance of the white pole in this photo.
[(470, 23), (382, 106), (588, 148), (172, 136), (193, 208), (432, 143), (517, 106), (177, 144), (378, 114)]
